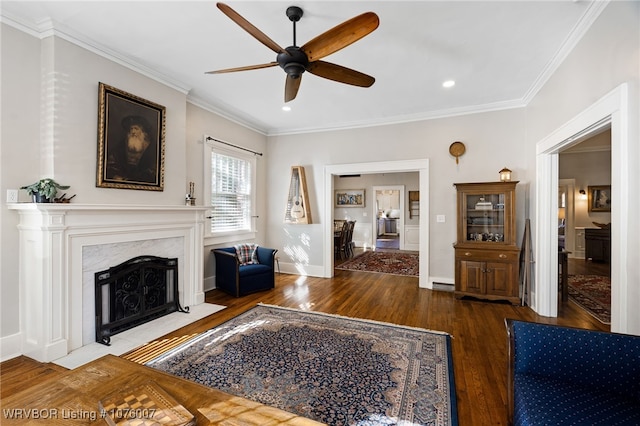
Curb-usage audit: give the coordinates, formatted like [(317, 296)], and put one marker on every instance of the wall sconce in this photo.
[(583, 194), (505, 175)]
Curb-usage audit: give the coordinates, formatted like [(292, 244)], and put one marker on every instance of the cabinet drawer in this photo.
[(487, 255)]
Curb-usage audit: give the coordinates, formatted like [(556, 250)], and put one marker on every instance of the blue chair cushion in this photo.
[(249, 270), (586, 358), (548, 401)]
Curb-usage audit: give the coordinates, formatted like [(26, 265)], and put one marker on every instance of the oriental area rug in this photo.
[(332, 369), (593, 294), (386, 262)]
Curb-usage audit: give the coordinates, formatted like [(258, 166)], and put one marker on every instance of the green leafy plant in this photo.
[(45, 187)]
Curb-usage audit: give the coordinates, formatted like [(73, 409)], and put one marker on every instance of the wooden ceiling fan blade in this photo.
[(341, 36), (250, 28), (250, 67), (291, 87), (340, 74)]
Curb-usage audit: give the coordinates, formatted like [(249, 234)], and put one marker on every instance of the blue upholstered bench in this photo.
[(570, 376)]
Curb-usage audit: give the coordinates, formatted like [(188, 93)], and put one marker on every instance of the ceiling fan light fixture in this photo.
[(449, 83), (295, 60), (286, 108), (294, 69)]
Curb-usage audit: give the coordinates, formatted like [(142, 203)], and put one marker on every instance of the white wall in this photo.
[(494, 140), (200, 122), (49, 127), (606, 57), (20, 132)]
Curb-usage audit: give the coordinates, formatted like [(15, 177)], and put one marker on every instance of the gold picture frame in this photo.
[(131, 141)]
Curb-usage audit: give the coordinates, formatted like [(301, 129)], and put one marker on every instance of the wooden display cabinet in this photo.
[(486, 254)]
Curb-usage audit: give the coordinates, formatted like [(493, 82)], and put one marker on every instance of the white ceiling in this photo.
[(498, 52)]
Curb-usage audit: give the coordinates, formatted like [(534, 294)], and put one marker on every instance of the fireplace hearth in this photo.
[(137, 291)]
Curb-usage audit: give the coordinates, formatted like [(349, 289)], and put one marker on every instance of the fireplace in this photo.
[(135, 292), (62, 246)]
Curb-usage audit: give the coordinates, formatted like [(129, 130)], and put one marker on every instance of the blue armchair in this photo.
[(239, 280), (569, 376)]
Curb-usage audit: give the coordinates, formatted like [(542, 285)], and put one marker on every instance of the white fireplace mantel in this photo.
[(52, 238)]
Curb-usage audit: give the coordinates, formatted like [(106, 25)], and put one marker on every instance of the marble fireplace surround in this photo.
[(62, 244)]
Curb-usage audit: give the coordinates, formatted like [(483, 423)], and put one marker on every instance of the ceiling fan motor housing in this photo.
[(294, 62)]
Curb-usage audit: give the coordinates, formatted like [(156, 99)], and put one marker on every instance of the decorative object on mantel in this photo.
[(505, 175), (45, 190), (298, 210), (63, 198), (457, 149), (189, 199)]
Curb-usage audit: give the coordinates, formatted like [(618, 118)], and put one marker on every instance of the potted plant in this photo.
[(44, 190)]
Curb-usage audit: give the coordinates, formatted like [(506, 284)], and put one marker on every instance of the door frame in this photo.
[(400, 166), (613, 110), (401, 207)]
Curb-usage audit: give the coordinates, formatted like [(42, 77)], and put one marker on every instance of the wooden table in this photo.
[(72, 398)]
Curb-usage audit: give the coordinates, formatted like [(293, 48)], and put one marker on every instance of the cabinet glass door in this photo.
[(485, 217)]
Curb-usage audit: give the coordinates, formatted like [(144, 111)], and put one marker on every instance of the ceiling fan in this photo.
[(296, 60)]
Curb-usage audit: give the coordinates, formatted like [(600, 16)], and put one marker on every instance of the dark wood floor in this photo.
[(479, 342), (587, 267)]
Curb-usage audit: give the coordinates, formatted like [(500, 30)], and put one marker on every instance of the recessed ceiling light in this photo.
[(286, 108), (448, 83)]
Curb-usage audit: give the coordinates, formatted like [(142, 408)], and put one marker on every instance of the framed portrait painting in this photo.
[(131, 137), (600, 198), (349, 198)]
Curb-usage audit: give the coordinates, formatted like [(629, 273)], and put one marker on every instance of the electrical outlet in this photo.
[(12, 195)]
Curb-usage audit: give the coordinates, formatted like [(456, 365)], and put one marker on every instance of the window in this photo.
[(229, 183)]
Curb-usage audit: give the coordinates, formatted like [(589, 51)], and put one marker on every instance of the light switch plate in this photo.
[(440, 218)]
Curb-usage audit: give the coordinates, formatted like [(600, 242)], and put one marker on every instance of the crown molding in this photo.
[(403, 119), (590, 15), (50, 28), (224, 112)]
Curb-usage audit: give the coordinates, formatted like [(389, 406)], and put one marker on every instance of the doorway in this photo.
[(421, 166), (584, 166), (388, 226), (611, 110)]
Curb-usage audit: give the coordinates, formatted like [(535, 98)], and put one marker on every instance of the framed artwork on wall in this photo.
[(600, 198), (131, 138), (349, 198)]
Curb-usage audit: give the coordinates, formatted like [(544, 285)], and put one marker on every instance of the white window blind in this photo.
[(231, 178)]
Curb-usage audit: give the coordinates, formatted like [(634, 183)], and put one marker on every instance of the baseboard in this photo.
[(10, 346), (442, 283), (209, 283), (297, 269)]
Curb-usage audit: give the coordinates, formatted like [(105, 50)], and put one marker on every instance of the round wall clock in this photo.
[(457, 149)]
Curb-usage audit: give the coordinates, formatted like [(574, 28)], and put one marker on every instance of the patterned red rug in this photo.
[(593, 294), (385, 262)]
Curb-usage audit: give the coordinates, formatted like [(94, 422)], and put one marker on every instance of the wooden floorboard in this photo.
[(479, 339)]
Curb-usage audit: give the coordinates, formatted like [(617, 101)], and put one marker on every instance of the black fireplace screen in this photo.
[(137, 291)]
